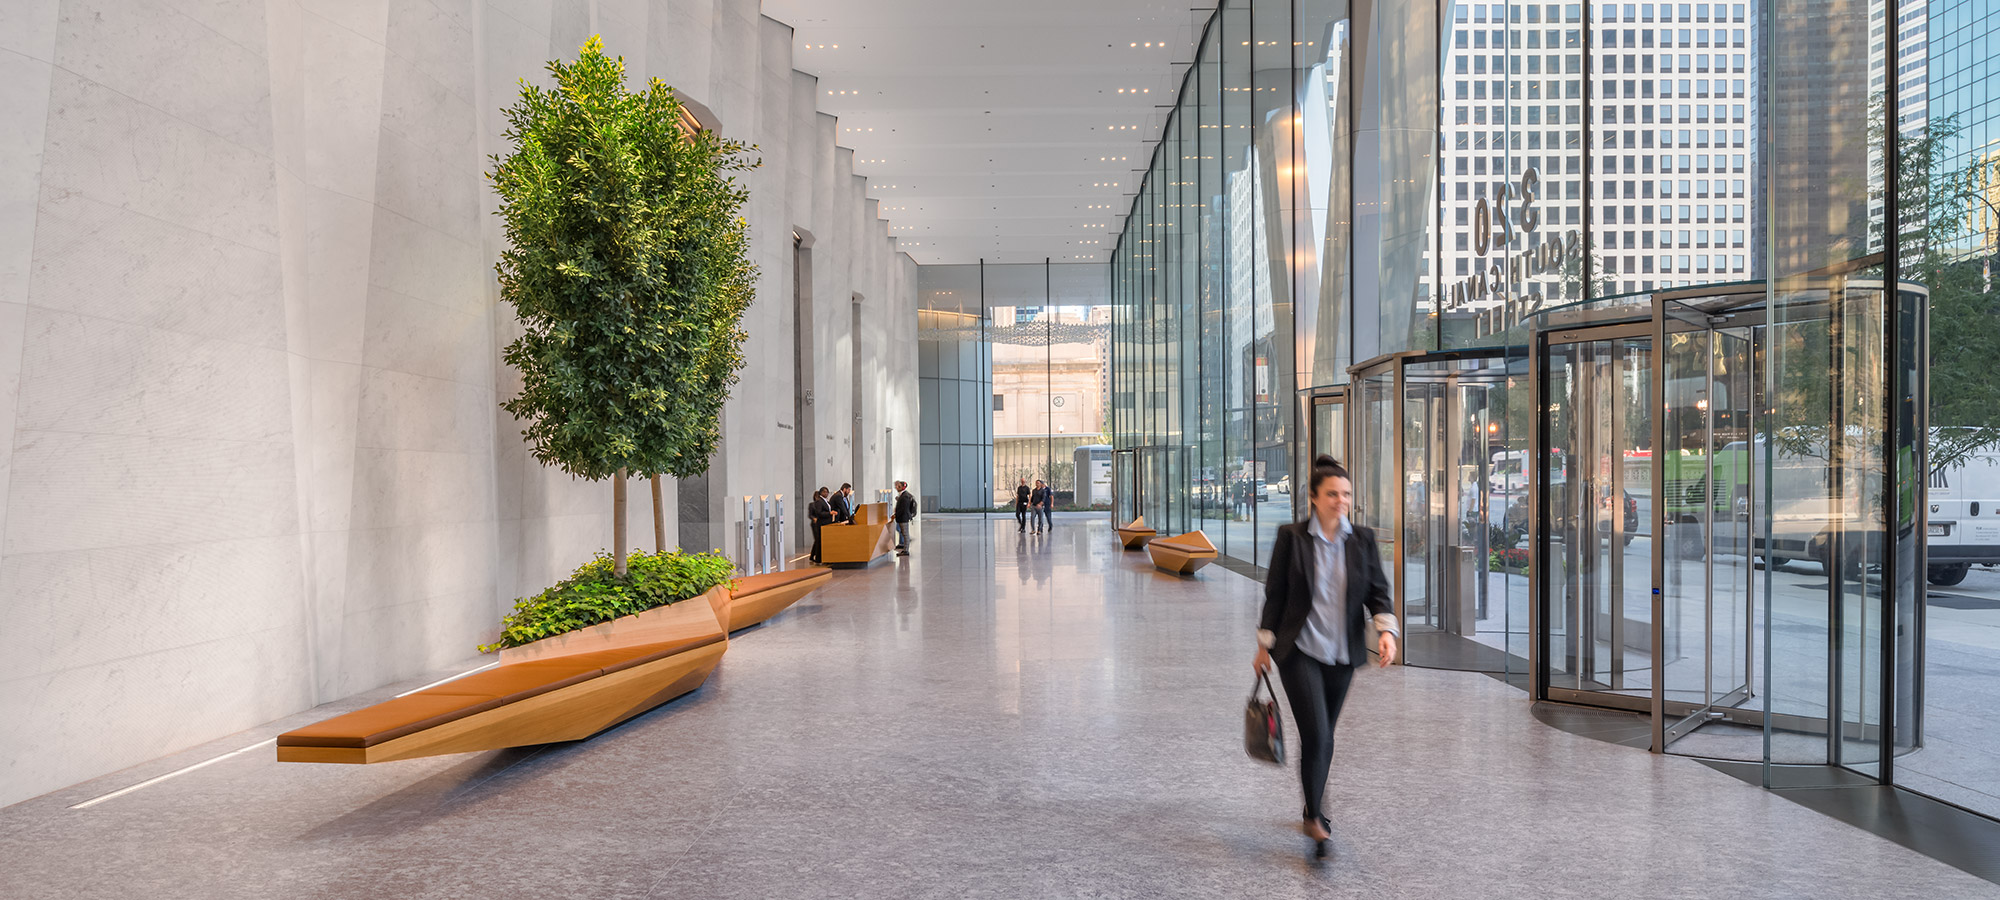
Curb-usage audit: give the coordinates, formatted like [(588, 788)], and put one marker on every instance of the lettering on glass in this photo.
[(1498, 226)]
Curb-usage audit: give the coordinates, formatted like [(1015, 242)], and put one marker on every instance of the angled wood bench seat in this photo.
[(538, 695), (755, 598), (1135, 534), (1182, 554)]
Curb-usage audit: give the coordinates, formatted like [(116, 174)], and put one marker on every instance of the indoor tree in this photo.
[(627, 265)]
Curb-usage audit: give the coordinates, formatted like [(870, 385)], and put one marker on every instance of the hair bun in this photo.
[(1326, 460)]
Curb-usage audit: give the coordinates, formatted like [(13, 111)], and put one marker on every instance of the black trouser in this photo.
[(815, 553), (1021, 517), (1316, 691)]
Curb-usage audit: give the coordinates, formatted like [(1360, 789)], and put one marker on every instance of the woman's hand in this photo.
[(1262, 660), (1385, 645)]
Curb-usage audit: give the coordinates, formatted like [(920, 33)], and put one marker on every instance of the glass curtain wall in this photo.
[(1347, 180), (1210, 346), (1014, 383), (954, 382)]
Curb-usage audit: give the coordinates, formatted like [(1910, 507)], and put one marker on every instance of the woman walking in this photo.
[(1325, 580)]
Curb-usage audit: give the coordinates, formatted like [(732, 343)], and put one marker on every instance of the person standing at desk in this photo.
[(821, 514), (906, 510), (843, 506)]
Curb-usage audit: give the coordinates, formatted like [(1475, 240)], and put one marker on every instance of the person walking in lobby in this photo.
[(821, 514), (1325, 579), (1038, 506), (906, 510), (843, 504), (1022, 496)]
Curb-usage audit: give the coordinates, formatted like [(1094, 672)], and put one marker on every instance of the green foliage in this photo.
[(594, 594), (627, 264)]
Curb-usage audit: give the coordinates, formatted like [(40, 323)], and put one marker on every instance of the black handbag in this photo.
[(1263, 728)]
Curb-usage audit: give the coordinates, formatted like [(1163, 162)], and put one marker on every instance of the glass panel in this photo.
[(1378, 489)]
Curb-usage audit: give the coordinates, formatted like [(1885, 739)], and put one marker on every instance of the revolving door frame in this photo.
[(1397, 518)]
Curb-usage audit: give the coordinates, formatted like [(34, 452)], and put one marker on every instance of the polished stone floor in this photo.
[(996, 715)]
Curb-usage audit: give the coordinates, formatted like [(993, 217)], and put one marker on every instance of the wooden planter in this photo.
[(701, 616), (759, 597)]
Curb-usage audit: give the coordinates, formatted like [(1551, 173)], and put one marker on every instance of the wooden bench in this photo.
[(1135, 534), (564, 698), (755, 598), (564, 688), (871, 536), (1182, 554)]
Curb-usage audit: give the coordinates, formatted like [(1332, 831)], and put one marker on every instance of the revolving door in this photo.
[(1725, 518), (1438, 456)]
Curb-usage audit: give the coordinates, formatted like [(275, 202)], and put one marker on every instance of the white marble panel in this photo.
[(240, 21), (24, 105), (74, 491), (401, 411), (569, 27), (367, 18), (340, 108), (553, 547), (187, 175), (531, 14), (84, 375), (106, 263), (334, 256), (28, 27), (333, 420), (154, 54), (415, 260), (438, 41), (683, 48), (437, 192), (87, 375), (76, 724), (406, 487), (13, 336), (516, 47), (548, 491), (393, 566), (70, 610), (416, 336), (425, 111)]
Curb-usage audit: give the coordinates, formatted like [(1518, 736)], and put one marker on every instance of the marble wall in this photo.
[(251, 452)]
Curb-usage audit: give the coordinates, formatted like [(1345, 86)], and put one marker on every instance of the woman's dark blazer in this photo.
[(1289, 583)]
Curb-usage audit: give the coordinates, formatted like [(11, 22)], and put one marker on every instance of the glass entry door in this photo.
[(1329, 437), (1644, 564), (1594, 558)]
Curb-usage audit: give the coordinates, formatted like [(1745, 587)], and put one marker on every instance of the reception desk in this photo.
[(871, 536)]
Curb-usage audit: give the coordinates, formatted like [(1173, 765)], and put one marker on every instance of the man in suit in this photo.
[(906, 510), (843, 505), (1021, 497), (1324, 585), (821, 514)]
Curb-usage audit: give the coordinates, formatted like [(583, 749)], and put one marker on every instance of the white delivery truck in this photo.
[(1964, 526)]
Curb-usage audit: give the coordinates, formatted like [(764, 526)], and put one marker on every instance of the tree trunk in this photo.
[(618, 524), (659, 519)]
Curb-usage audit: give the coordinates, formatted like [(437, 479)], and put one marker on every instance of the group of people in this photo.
[(837, 508), (1034, 509)]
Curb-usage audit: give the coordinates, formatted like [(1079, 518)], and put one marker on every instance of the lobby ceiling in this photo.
[(1009, 132)]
